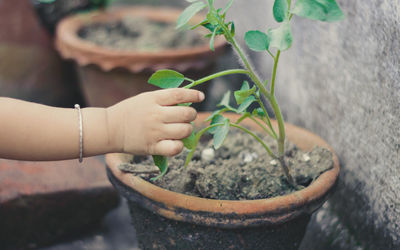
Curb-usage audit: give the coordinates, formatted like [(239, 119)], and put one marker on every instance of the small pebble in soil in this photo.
[(273, 162), (207, 154), (306, 157), (247, 156)]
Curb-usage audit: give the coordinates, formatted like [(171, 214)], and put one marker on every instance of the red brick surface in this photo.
[(18, 178), (41, 202)]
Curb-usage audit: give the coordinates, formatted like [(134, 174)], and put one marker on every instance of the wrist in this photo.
[(114, 130)]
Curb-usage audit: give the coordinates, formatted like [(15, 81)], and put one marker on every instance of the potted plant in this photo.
[(118, 49), (165, 219)]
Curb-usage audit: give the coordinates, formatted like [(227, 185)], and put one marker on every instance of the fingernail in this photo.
[(201, 96)]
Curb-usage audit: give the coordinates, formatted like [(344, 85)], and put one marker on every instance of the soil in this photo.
[(134, 33), (240, 169), (51, 13)]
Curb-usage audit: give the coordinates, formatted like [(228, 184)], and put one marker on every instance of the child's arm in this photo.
[(148, 123)]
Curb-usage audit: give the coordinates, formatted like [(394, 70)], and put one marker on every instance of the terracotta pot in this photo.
[(109, 75), (167, 220)]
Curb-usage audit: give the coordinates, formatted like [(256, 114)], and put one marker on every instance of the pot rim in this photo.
[(232, 213), (71, 46)]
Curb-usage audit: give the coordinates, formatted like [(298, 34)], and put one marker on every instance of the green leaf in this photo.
[(162, 163), (189, 142), (244, 116), (246, 103), (245, 85), (228, 5), (199, 24), (244, 92), (233, 29), (258, 112), (220, 134), (281, 38), (166, 78), (212, 39), (280, 10), (212, 17), (218, 119), (322, 10), (190, 156), (257, 40), (215, 113), (189, 12), (211, 28), (225, 100)]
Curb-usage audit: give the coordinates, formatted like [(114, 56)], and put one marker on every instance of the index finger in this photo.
[(169, 97)]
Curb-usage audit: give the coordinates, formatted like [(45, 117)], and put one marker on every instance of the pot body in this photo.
[(167, 220), (110, 75), (157, 232)]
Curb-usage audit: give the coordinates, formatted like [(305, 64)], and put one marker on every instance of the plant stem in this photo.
[(285, 168), (277, 111), (276, 60), (248, 115), (255, 137), (246, 62), (281, 126), (267, 120), (269, 52), (264, 91), (219, 74), (201, 132), (270, 133), (250, 69)]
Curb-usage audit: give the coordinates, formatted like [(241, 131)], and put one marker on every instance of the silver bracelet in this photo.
[(77, 107)]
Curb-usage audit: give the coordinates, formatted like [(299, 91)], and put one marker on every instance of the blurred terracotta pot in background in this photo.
[(111, 75)]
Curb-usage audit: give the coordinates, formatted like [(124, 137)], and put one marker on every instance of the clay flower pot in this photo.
[(167, 220), (110, 75)]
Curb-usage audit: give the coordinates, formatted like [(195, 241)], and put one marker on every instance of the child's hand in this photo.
[(151, 124)]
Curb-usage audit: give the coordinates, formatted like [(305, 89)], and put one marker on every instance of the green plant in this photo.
[(279, 38)]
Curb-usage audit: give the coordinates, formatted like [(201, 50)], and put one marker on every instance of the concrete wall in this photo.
[(342, 81)]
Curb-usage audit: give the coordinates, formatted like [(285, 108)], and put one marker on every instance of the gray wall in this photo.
[(342, 81)]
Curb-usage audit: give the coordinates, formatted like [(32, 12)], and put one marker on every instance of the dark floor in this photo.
[(116, 232)]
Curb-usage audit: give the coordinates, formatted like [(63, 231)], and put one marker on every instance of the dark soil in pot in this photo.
[(240, 170), (135, 33), (50, 13)]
